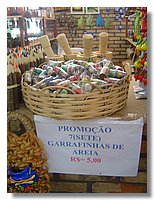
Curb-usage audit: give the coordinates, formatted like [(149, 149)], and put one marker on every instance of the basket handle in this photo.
[(41, 65), (22, 118), (64, 86), (60, 87), (125, 79)]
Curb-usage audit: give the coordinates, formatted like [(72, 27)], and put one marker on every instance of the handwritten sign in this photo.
[(106, 146)]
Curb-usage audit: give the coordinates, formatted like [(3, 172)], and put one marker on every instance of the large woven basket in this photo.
[(24, 150), (99, 103)]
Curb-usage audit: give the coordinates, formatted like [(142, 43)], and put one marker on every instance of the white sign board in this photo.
[(104, 146)]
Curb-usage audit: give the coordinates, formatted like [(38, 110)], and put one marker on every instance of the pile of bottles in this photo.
[(79, 76)]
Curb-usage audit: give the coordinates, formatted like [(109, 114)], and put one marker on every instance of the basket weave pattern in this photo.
[(99, 103), (27, 149)]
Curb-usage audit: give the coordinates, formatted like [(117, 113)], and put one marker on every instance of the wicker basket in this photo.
[(99, 103), (25, 150)]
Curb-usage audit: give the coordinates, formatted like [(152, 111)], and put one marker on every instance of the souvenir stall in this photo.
[(75, 100)]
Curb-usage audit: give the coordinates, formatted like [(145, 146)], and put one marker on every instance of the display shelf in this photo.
[(131, 41), (14, 16), (45, 19), (51, 19)]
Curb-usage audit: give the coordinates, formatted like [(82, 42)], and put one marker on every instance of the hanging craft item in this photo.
[(28, 23), (23, 23), (122, 16), (108, 23), (81, 23), (126, 9), (62, 19), (141, 44), (140, 34), (108, 9), (26, 157), (99, 20), (144, 21), (92, 33), (23, 180), (116, 17), (50, 13), (121, 11), (120, 27), (13, 23), (116, 9), (71, 25), (137, 24), (36, 22), (27, 14), (90, 21)]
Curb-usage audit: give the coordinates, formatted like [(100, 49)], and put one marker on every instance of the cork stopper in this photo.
[(62, 40), (87, 44), (45, 42), (103, 42)]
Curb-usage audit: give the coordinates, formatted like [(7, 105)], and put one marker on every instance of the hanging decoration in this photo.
[(28, 23), (144, 20), (62, 19), (121, 11), (126, 9), (23, 181), (137, 24), (120, 27), (71, 23), (92, 33), (108, 23), (116, 9), (81, 23), (116, 17), (122, 16), (140, 35), (27, 14), (50, 13), (99, 20), (90, 21), (108, 9)]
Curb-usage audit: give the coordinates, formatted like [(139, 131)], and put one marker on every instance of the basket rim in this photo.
[(64, 86)]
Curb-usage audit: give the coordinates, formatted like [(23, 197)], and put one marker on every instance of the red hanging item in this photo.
[(141, 74), (145, 79), (137, 74), (144, 22)]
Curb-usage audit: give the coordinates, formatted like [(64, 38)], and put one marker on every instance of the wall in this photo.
[(117, 42)]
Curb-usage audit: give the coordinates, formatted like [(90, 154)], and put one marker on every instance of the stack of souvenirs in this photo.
[(80, 76), (25, 58), (18, 61)]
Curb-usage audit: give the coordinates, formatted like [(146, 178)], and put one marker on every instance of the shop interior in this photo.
[(41, 37)]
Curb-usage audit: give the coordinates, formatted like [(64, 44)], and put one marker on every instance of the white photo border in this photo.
[(93, 12), (77, 12)]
